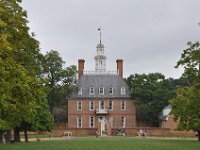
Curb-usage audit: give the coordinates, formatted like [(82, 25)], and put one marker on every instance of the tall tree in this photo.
[(151, 92), (20, 65), (64, 89), (186, 104), (61, 82), (54, 70), (68, 83), (190, 60), (186, 108)]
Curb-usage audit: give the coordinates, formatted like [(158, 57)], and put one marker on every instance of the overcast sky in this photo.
[(149, 35)]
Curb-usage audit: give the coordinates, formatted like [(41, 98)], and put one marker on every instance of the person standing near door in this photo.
[(97, 134)]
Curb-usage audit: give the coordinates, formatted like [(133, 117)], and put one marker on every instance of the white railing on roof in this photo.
[(99, 72)]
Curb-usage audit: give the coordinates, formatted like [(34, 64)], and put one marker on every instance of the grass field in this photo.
[(113, 143)]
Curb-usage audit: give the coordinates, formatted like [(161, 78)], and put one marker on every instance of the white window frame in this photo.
[(91, 90), (80, 91), (123, 122), (123, 107), (91, 122), (79, 122), (109, 105), (123, 90), (91, 105), (79, 103), (111, 88), (100, 105), (102, 90)]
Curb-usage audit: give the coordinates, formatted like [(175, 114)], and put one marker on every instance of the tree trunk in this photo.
[(17, 135), (25, 136), (8, 136), (1, 136), (198, 135)]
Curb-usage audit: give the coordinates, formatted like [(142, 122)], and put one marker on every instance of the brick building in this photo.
[(167, 119), (102, 101)]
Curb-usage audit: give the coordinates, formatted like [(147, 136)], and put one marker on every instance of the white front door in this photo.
[(103, 122)]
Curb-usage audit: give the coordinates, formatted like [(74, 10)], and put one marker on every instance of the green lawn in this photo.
[(114, 143)]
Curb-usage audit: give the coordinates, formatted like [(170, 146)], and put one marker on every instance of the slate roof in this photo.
[(101, 80)]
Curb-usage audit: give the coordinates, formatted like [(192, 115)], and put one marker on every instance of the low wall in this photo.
[(130, 131), (62, 127), (75, 132), (154, 132)]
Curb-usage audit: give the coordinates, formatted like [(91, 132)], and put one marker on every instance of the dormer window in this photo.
[(123, 90), (110, 90), (101, 90), (80, 91), (91, 90)]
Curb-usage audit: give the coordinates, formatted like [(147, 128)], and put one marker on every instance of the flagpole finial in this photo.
[(99, 29)]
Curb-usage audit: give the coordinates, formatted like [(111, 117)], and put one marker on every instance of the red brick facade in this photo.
[(113, 116), (169, 123)]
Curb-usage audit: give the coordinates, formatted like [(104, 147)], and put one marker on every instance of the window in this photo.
[(110, 105), (123, 122), (91, 105), (110, 91), (79, 122), (101, 119), (123, 90), (101, 90), (79, 105), (92, 122), (101, 105), (80, 91), (123, 105), (91, 90)]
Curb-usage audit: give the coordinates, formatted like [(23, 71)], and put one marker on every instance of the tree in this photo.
[(190, 60), (66, 87), (61, 83), (186, 105), (151, 92), (54, 70), (20, 67), (42, 119), (68, 82), (186, 108)]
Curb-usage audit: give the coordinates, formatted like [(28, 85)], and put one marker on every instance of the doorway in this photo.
[(104, 129)]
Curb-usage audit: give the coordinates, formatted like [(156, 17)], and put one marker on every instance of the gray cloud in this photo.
[(148, 35)]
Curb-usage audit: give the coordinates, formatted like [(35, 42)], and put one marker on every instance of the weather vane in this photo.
[(99, 29)]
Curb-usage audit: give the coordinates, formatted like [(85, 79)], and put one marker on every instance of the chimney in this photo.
[(120, 67), (80, 67)]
